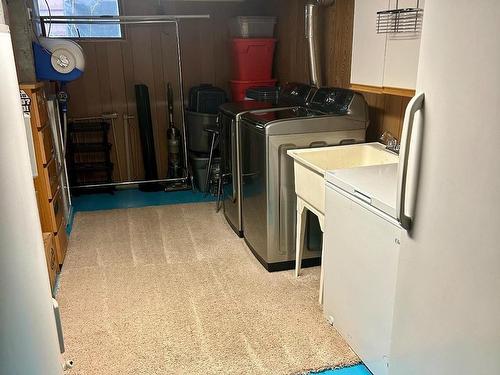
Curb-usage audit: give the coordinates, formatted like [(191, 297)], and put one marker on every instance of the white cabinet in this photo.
[(360, 259), (383, 62), (368, 48)]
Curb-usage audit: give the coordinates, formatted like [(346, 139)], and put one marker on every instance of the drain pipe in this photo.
[(312, 35)]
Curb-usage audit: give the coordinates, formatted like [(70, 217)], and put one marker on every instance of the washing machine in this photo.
[(332, 117), (291, 95)]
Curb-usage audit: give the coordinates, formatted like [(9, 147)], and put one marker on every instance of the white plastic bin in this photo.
[(252, 27)]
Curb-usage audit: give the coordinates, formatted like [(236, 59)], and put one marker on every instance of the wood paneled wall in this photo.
[(291, 56), (386, 114), (148, 55), (386, 111)]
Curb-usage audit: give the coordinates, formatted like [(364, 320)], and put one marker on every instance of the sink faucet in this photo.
[(391, 143)]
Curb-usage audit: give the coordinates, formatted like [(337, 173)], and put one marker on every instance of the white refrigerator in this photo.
[(28, 333), (430, 292)]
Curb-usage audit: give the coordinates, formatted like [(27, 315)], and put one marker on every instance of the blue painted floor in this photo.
[(354, 370), (132, 198)]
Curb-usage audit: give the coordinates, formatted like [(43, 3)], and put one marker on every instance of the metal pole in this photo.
[(181, 92), (104, 22), (122, 20), (111, 19), (139, 20), (104, 116), (117, 155), (64, 142), (126, 134), (127, 183)]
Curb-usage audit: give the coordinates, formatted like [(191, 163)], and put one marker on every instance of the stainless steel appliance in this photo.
[(332, 117), (291, 94)]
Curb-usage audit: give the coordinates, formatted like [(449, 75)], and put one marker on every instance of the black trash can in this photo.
[(199, 166), (198, 139)]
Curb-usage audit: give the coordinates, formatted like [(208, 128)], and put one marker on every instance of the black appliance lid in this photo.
[(263, 118), (332, 101), (232, 109), (263, 90), (295, 93)]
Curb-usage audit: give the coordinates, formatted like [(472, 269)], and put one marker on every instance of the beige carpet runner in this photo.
[(172, 290)]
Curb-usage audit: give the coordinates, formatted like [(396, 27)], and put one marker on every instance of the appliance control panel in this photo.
[(332, 100), (295, 94)]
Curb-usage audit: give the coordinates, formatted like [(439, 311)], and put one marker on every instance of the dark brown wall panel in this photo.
[(148, 54)]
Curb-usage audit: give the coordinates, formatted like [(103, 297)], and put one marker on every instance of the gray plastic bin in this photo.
[(196, 123), (199, 168), (252, 27)]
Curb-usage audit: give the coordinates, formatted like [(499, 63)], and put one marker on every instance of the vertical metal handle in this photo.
[(415, 104), (233, 139), (57, 316), (31, 145)]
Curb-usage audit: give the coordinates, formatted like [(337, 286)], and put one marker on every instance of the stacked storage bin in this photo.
[(253, 54), (204, 101)]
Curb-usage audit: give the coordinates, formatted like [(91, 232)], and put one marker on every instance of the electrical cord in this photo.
[(35, 33), (50, 18)]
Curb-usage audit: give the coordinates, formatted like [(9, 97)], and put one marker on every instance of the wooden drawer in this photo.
[(43, 141), (57, 207), (51, 257), (50, 177), (61, 240), (38, 105), (39, 108), (52, 213)]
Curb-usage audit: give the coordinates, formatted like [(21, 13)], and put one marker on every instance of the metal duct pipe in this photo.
[(312, 32)]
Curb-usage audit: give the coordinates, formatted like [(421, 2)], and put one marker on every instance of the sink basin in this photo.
[(311, 164)]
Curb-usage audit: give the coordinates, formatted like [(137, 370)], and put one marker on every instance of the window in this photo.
[(80, 8)]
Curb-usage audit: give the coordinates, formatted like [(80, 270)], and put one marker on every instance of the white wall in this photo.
[(447, 316), (28, 338)]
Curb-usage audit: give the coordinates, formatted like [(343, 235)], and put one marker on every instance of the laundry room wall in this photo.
[(291, 55), (386, 111), (147, 54)]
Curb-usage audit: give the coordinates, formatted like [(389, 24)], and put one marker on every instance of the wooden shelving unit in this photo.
[(47, 185)]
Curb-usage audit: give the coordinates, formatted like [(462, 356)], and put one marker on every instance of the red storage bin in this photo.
[(239, 88), (253, 59)]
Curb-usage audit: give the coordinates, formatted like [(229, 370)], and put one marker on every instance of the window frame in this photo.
[(44, 29)]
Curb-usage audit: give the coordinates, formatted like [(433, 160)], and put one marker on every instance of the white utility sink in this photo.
[(310, 167), (311, 164)]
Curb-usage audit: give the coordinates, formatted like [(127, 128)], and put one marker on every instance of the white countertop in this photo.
[(375, 185)]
